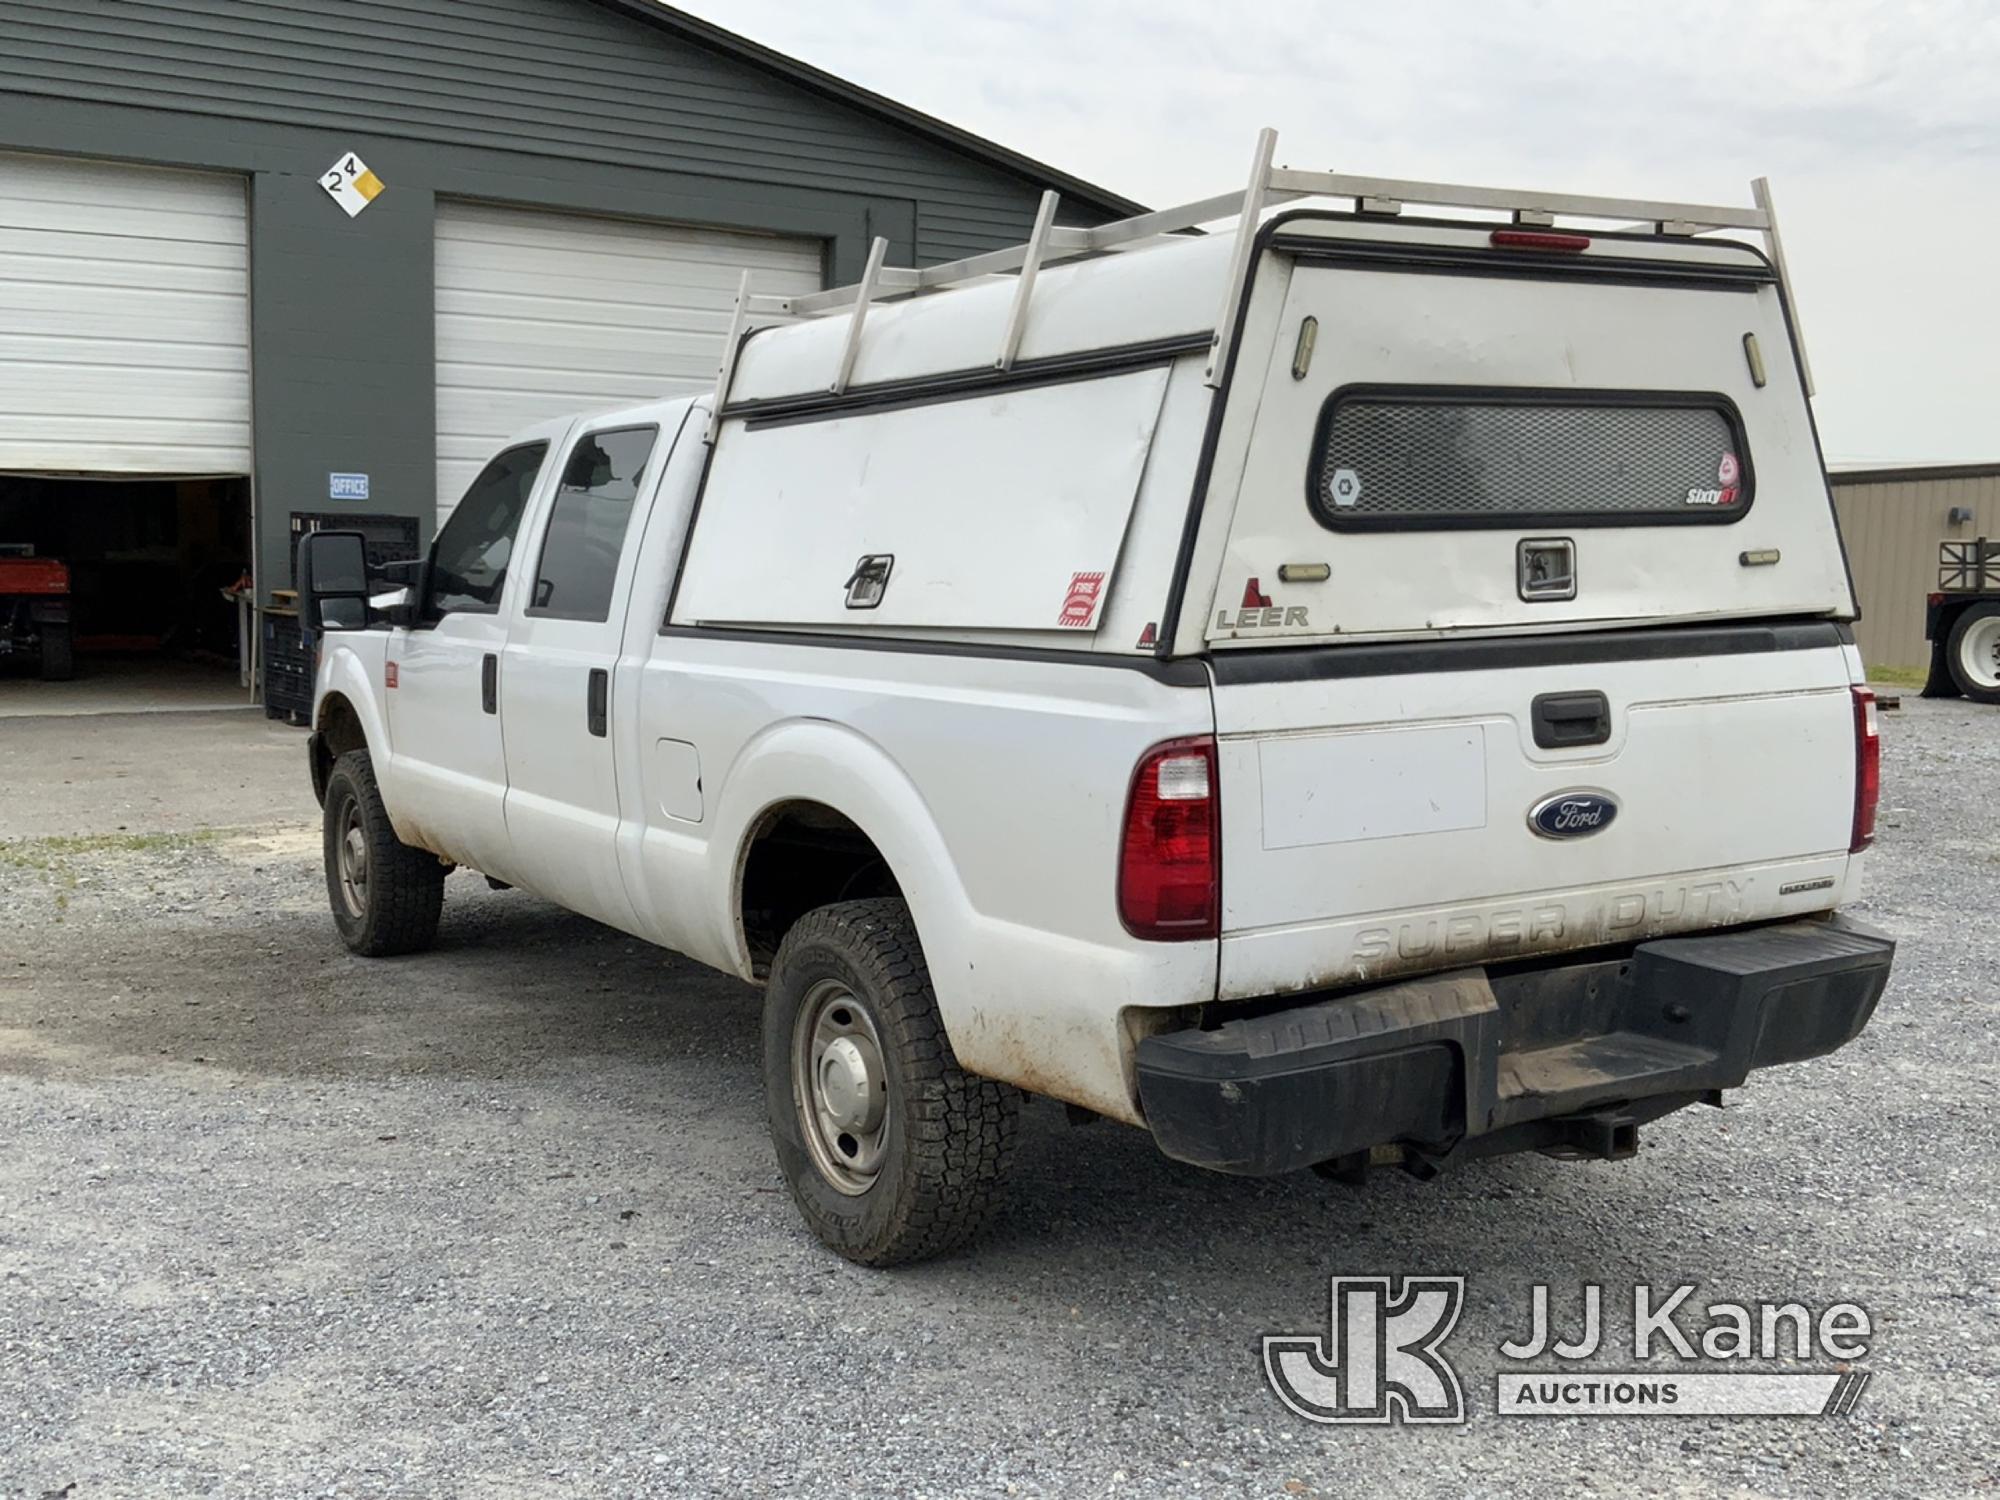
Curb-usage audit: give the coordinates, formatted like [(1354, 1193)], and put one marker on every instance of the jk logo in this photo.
[(1381, 1363)]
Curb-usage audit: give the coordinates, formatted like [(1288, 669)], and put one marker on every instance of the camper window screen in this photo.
[(1396, 459)]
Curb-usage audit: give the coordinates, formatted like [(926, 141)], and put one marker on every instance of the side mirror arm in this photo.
[(402, 614), (413, 574)]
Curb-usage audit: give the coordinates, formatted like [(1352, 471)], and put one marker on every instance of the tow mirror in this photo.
[(333, 580)]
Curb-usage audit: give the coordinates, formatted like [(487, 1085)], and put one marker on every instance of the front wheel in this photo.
[(386, 896), (892, 1151), (1973, 653)]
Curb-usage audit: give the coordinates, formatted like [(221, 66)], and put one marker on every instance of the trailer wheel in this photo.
[(386, 896), (893, 1152), (58, 661), (1973, 651)]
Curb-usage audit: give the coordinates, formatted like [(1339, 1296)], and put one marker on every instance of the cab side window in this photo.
[(587, 524), (469, 561)]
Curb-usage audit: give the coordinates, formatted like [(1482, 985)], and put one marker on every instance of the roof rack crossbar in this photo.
[(1269, 185), (1163, 221), (1511, 200)]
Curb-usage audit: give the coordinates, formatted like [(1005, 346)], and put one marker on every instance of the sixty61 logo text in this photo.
[(1383, 1356)]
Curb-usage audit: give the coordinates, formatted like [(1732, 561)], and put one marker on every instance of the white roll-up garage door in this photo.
[(124, 319), (541, 314)]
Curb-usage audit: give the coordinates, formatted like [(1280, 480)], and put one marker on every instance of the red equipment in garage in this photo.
[(34, 610)]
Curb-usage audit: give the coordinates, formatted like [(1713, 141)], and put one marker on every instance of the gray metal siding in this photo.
[(341, 356), (560, 78), (558, 104), (1892, 530)]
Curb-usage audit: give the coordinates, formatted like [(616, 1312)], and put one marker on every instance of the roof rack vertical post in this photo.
[(726, 371), (1239, 260), (1760, 192), (863, 291), (1024, 287)]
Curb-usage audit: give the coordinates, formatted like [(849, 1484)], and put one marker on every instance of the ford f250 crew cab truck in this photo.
[(1360, 687)]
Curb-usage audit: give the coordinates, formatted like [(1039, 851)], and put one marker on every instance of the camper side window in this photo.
[(469, 559)]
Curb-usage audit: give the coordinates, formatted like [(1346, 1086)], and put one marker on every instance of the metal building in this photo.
[(261, 258), (1892, 521)]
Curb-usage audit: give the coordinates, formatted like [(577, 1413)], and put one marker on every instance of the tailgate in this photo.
[(1391, 809)]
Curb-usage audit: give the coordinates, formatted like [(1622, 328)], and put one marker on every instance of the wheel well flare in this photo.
[(802, 856)]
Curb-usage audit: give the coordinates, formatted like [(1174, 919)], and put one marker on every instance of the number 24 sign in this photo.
[(350, 184)]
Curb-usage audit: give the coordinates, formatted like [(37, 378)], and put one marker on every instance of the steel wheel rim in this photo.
[(840, 1085), (1979, 651), (351, 858)]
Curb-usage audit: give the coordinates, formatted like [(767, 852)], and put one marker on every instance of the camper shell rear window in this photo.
[(1402, 458)]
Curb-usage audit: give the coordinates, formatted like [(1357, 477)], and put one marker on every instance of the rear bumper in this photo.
[(1472, 1063)]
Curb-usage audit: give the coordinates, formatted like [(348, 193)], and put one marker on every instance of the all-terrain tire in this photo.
[(393, 905), (1972, 651), (58, 656), (946, 1135)]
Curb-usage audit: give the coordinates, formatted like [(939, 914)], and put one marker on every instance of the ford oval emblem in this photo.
[(1572, 815)]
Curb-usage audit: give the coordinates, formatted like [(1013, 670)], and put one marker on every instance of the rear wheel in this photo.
[(1973, 652), (892, 1151), (386, 896), (58, 660)]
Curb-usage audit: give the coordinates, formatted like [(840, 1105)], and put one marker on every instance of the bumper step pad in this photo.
[(1470, 1061)]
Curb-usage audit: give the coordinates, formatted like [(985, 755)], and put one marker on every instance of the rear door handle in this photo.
[(597, 705), (1564, 720), (489, 683)]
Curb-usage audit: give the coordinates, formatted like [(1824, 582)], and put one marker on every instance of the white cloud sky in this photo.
[(1878, 123)]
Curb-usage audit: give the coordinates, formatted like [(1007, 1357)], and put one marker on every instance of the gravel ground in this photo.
[(502, 1220)]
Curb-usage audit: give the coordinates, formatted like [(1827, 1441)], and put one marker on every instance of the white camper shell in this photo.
[(1359, 685)]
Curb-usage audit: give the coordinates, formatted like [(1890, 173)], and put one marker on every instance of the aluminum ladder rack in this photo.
[(1269, 185)]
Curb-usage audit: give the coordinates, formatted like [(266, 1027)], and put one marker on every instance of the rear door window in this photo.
[(1390, 458), (588, 522)]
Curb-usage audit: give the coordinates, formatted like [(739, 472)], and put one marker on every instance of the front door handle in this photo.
[(489, 683), (598, 700)]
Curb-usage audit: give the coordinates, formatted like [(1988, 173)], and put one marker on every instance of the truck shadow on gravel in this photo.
[(587, 1024)]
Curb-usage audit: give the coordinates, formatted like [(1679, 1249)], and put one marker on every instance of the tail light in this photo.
[(1169, 864), (1867, 769)]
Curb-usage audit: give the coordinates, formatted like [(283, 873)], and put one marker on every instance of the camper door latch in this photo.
[(1545, 568), (869, 580)]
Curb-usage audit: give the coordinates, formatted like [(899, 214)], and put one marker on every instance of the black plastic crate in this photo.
[(388, 539), (287, 667)]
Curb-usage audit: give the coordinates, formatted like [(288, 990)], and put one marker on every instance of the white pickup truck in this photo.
[(1349, 689)]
